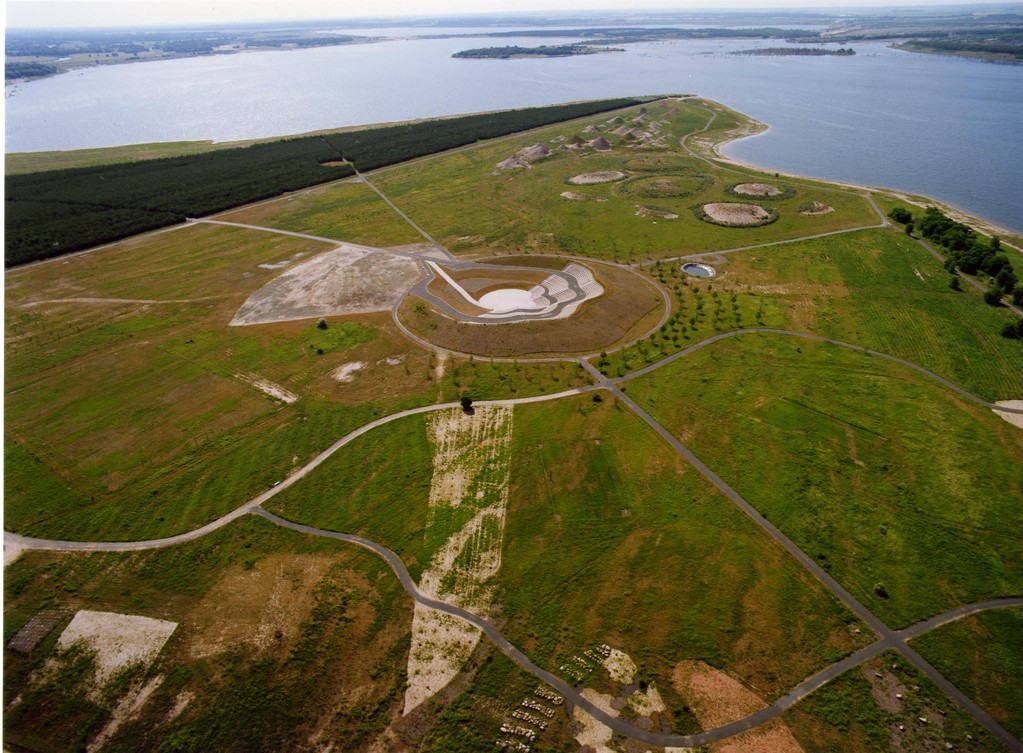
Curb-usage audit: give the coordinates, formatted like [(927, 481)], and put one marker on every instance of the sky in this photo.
[(84, 13)]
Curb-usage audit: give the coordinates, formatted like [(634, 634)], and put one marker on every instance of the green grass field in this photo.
[(133, 410), (459, 201), (612, 538), (981, 656), (892, 482), (859, 711)]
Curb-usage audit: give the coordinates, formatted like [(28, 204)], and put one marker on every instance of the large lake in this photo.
[(945, 127)]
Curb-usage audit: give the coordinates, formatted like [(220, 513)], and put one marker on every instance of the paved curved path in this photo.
[(817, 338), (888, 638), (618, 724)]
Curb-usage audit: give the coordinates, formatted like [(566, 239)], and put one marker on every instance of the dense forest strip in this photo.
[(57, 212)]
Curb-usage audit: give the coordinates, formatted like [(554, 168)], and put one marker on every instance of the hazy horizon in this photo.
[(70, 14)]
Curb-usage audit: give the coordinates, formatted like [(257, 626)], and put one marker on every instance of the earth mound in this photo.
[(731, 214), (537, 151), (816, 207), (757, 189), (603, 176)]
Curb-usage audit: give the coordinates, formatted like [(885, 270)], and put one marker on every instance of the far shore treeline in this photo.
[(58, 212)]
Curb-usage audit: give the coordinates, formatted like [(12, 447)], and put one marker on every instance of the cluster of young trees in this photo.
[(57, 212), (968, 252)]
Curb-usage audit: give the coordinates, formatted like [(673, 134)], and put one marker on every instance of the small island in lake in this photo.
[(543, 51), (797, 51)]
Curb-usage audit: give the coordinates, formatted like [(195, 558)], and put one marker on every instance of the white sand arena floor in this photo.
[(508, 299)]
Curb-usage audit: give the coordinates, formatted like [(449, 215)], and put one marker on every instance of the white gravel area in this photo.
[(470, 474), (119, 640), (1016, 419), (757, 189), (736, 214), (347, 280)]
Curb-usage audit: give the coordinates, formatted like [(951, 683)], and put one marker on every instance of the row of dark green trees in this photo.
[(971, 253), (57, 212)]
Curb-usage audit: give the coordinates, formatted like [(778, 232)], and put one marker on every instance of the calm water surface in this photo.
[(944, 127)]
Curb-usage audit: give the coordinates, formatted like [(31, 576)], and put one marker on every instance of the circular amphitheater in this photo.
[(472, 291), (506, 307)]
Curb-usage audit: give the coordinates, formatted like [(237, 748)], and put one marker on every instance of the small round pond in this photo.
[(698, 270)]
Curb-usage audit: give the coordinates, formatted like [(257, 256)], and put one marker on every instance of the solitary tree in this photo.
[(466, 403)]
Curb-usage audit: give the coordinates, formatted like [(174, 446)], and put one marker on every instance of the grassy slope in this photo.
[(885, 476), (981, 656)]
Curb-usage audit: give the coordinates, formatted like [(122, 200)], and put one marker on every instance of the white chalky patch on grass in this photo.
[(594, 734), (346, 372), (1016, 419), (620, 666), (470, 475), (268, 388), (647, 703), (119, 640)]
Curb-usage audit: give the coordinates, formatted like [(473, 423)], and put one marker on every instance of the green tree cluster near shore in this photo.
[(970, 253)]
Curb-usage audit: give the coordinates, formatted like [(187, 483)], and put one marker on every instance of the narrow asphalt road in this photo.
[(887, 637), (618, 724)]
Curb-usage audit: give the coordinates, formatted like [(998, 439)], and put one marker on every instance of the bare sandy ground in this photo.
[(620, 666), (347, 372), (643, 703), (818, 208), (470, 475), (757, 189), (659, 213), (11, 552), (602, 176), (1016, 419), (576, 196), (595, 735), (119, 640), (268, 388), (718, 699), (736, 214), (347, 280)]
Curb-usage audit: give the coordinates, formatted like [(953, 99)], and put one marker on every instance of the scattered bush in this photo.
[(901, 215)]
